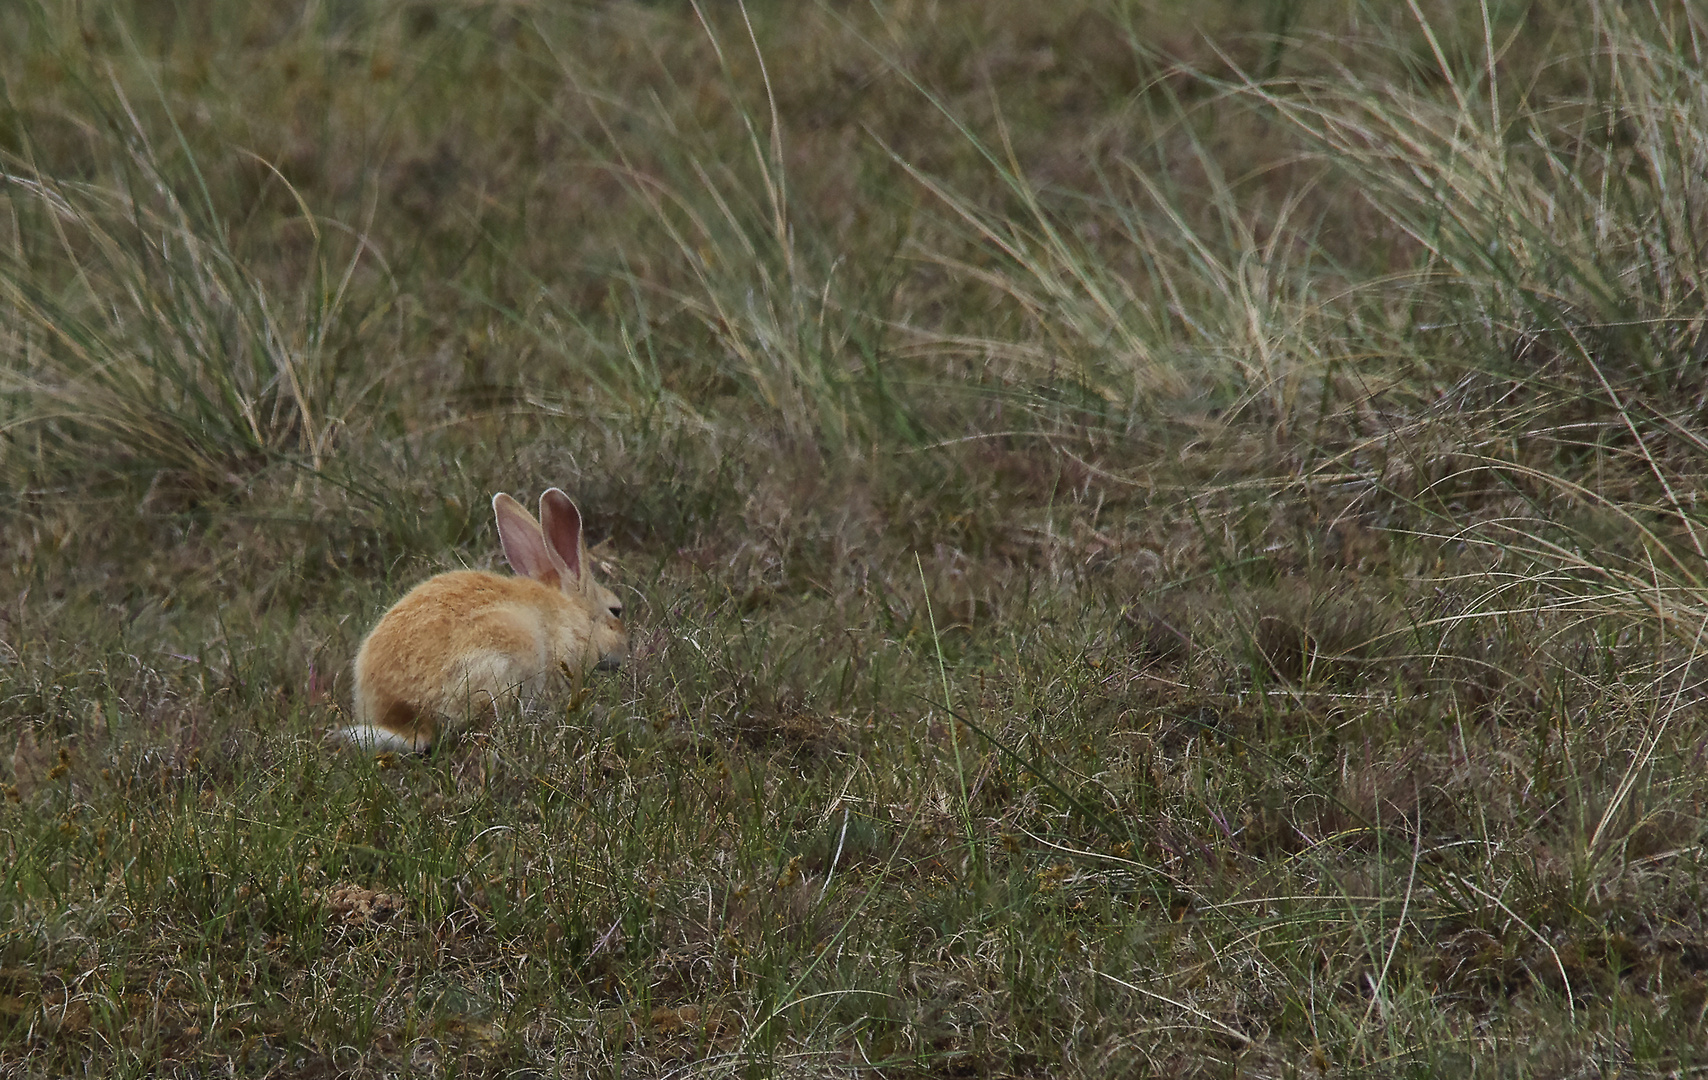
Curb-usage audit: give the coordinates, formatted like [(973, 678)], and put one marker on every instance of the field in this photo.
[(1159, 539)]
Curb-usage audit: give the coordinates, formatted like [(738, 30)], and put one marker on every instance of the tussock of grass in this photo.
[(1159, 541), (136, 328)]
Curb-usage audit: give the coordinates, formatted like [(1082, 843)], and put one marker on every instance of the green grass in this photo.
[(1159, 539)]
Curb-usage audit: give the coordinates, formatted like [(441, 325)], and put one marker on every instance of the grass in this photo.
[(1160, 539)]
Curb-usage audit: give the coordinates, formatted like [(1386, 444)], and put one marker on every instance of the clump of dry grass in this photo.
[(135, 327)]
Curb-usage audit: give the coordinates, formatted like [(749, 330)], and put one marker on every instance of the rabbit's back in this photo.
[(460, 640)]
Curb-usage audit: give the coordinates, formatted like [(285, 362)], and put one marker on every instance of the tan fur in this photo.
[(470, 641)]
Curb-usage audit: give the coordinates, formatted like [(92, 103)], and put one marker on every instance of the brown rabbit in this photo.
[(467, 640)]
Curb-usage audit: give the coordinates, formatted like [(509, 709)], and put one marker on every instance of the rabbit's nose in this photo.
[(611, 661)]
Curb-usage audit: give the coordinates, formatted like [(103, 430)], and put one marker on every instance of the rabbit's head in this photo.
[(553, 551)]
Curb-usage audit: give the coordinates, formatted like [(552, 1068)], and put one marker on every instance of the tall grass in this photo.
[(1559, 258), (1528, 384), (787, 323), (1178, 296), (140, 342)]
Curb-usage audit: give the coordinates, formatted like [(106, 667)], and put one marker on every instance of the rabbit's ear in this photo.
[(523, 544), (560, 521)]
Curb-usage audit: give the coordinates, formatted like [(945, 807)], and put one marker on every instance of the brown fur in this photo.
[(468, 641)]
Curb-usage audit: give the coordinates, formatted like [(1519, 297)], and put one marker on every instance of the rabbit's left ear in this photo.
[(560, 522), (524, 546)]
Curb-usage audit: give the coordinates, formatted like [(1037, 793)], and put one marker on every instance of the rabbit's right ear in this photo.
[(524, 546), (560, 523)]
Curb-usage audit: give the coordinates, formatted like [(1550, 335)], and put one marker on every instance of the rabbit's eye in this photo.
[(616, 611)]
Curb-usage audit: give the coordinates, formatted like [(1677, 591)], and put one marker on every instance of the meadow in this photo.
[(1159, 539)]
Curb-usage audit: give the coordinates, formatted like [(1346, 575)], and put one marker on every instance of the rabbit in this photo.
[(470, 639)]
